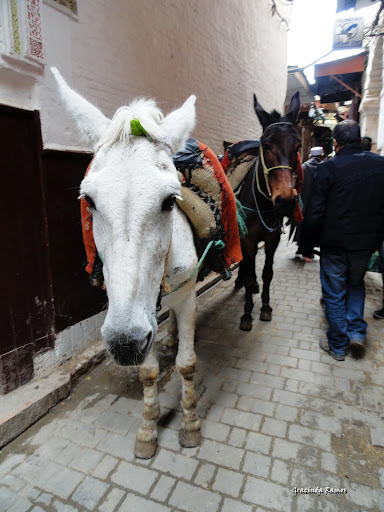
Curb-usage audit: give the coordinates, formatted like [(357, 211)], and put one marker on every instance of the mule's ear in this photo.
[(90, 122), (263, 116), (294, 108), (179, 124)]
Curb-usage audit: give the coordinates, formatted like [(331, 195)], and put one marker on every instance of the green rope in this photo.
[(219, 244), (241, 219)]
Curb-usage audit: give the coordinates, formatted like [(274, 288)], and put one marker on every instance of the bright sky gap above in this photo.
[(310, 35)]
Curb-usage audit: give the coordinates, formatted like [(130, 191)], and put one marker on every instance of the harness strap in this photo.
[(255, 172), (266, 171), (271, 230), (219, 244)]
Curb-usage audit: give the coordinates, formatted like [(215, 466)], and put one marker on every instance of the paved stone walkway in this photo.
[(277, 414)]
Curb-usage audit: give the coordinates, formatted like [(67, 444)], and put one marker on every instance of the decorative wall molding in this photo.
[(34, 47), (68, 7), (22, 41)]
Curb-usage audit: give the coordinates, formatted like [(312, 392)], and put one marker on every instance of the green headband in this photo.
[(137, 129)]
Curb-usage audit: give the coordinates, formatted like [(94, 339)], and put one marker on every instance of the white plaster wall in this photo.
[(115, 50), (220, 50)]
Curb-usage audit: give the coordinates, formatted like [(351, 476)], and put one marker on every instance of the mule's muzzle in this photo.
[(284, 207), (129, 350)]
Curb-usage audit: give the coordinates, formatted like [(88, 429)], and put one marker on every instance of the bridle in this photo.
[(266, 171)]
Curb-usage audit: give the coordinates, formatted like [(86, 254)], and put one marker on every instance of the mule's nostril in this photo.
[(123, 340)]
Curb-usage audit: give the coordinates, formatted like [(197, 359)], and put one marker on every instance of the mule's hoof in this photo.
[(145, 449), (189, 438), (266, 314), (238, 284), (246, 323)]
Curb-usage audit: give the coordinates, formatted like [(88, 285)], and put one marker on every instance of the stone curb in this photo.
[(25, 405)]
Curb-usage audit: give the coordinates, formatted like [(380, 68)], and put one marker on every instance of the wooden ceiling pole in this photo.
[(346, 86)]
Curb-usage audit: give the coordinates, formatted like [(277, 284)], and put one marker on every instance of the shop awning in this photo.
[(339, 80), (344, 5)]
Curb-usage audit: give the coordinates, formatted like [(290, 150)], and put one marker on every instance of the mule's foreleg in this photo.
[(270, 248), (186, 364), (248, 277), (146, 437), (247, 274), (246, 319)]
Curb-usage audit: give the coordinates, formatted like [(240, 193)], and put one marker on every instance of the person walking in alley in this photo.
[(345, 216), (379, 313), (309, 168), (366, 143)]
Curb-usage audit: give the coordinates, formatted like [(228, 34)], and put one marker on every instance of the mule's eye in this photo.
[(266, 147), (90, 202), (168, 203)]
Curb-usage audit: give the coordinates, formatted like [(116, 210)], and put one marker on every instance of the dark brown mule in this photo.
[(268, 195)]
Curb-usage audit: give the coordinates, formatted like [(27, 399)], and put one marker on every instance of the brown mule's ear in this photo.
[(263, 116), (294, 108)]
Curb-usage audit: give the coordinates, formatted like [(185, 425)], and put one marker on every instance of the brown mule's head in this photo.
[(279, 146)]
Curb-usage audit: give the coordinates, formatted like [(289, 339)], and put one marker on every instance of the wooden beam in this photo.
[(346, 86)]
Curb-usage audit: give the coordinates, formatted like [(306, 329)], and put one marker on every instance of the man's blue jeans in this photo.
[(342, 280)]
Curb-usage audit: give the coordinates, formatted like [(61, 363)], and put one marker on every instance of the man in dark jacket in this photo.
[(346, 217)]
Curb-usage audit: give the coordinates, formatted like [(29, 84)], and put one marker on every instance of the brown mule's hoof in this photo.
[(190, 438), (266, 314), (145, 449), (246, 323)]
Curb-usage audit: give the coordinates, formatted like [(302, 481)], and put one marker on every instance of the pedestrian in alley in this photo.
[(309, 167), (366, 143), (379, 313), (346, 217)]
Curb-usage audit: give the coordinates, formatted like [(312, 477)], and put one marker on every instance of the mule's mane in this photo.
[(141, 109)]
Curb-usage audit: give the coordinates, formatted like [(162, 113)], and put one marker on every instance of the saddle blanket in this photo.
[(208, 199)]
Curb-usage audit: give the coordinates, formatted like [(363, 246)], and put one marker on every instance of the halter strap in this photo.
[(266, 171), (165, 289)]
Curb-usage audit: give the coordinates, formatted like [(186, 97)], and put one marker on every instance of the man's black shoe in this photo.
[(379, 314), (357, 348)]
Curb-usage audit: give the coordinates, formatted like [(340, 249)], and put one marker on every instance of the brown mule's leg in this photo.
[(246, 319), (271, 243), (146, 437), (239, 283), (251, 286)]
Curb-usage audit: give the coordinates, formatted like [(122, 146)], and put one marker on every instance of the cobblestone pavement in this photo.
[(277, 414)]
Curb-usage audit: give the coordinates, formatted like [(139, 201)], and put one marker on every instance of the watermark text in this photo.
[(318, 490)]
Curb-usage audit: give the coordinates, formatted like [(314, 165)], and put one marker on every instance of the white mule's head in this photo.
[(131, 187)]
